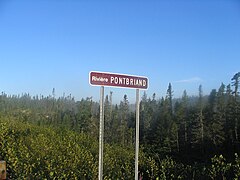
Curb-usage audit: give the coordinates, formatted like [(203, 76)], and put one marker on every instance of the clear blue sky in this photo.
[(55, 43)]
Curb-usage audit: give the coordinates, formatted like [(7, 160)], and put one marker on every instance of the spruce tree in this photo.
[(197, 139), (124, 115), (235, 84)]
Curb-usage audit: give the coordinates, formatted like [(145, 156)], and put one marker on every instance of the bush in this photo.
[(34, 152)]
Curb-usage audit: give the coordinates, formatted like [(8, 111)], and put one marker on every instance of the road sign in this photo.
[(118, 80)]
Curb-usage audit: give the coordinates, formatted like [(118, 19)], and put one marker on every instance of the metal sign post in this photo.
[(137, 134), (101, 134), (117, 80)]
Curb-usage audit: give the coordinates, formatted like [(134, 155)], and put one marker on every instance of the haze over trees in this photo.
[(179, 138)]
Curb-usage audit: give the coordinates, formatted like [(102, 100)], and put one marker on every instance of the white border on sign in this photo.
[(89, 81)]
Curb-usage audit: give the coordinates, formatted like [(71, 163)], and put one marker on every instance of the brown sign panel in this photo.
[(118, 80)]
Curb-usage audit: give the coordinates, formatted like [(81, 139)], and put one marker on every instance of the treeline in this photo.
[(189, 129), (193, 132)]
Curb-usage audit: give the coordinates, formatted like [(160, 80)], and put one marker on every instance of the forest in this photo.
[(192, 137)]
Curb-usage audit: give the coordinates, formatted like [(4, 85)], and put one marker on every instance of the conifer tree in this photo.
[(230, 124), (220, 117), (144, 116), (170, 98), (197, 124), (107, 119), (235, 84), (172, 125), (124, 114), (181, 113)]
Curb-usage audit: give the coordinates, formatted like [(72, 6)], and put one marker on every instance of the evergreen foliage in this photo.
[(186, 138)]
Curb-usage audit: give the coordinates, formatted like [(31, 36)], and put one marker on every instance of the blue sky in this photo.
[(54, 44)]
